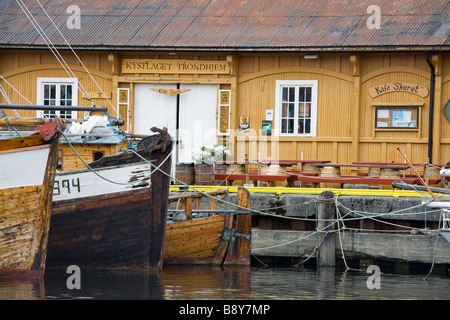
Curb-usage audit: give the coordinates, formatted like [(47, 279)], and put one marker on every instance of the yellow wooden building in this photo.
[(293, 83)]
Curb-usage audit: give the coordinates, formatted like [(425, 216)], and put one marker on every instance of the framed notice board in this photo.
[(224, 112), (397, 117)]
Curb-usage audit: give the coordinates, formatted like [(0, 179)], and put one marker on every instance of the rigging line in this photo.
[(43, 35), (301, 238), (5, 95), (146, 160), (396, 212), (50, 45), (363, 217), (435, 248), (238, 166), (290, 242), (87, 166), (40, 31), (8, 123), (70, 47), (387, 230), (339, 232), (381, 221), (220, 200), (235, 205), (303, 204), (18, 92), (320, 177), (226, 202), (318, 244), (92, 170)]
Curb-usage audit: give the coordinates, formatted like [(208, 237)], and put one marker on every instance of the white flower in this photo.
[(211, 155)]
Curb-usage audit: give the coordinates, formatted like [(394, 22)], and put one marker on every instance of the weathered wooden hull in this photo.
[(202, 241), (222, 239), (118, 227), (27, 170), (113, 232), (109, 231)]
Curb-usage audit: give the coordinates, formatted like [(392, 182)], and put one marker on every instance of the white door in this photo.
[(197, 116), (154, 109), (197, 119)]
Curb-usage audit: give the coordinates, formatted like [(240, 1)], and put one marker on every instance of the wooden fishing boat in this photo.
[(114, 217), (27, 171), (208, 236)]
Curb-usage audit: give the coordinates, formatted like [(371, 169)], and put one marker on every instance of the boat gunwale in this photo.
[(44, 146), (101, 168), (123, 193)]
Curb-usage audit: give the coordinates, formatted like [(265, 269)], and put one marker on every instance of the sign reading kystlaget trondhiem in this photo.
[(174, 66), (380, 89)]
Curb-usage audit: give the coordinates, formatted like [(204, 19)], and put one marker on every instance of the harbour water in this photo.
[(215, 283)]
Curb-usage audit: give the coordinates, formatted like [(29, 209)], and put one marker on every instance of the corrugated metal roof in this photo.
[(230, 24)]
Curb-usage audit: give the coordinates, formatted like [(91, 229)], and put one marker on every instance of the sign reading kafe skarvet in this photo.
[(174, 66), (398, 87)]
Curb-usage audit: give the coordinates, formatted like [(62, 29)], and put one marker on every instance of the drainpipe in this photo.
[(431, 113)]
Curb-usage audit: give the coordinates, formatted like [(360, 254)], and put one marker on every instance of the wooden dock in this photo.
[(389, 225)]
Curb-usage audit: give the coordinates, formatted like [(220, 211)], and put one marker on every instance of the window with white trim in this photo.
[(296, 107), (57, 92)]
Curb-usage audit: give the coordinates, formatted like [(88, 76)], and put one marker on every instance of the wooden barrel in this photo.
[(387, 173), (374, 172), (204, 174), (332, 172), (310, 169), (185, 173), (434, 173), (236, 169), (276, 170), (220, 169)]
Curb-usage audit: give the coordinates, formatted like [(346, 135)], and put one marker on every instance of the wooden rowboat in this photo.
[(214, 237), (114, 218), (27, 171)]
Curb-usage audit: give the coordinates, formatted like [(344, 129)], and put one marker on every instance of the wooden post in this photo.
[(326, 254), (246, 169), (241, 247), (188, 208)]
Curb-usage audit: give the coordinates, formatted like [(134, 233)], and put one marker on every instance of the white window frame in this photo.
[(278, 97), (56, 81)]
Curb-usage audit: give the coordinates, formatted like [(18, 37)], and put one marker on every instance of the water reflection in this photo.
[(197, 283), (21, 289), (110, 285), (187, 283)]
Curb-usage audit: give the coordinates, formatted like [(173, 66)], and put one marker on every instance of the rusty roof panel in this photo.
[(230, 24)]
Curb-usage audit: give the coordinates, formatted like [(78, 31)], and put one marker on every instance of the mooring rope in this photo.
[(226, 178), (435, 248), (109, 180), (362, 214)]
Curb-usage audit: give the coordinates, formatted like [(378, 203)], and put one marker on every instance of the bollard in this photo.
[(326, 254)]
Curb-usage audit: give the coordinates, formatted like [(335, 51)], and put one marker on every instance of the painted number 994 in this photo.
[(66, 185)]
